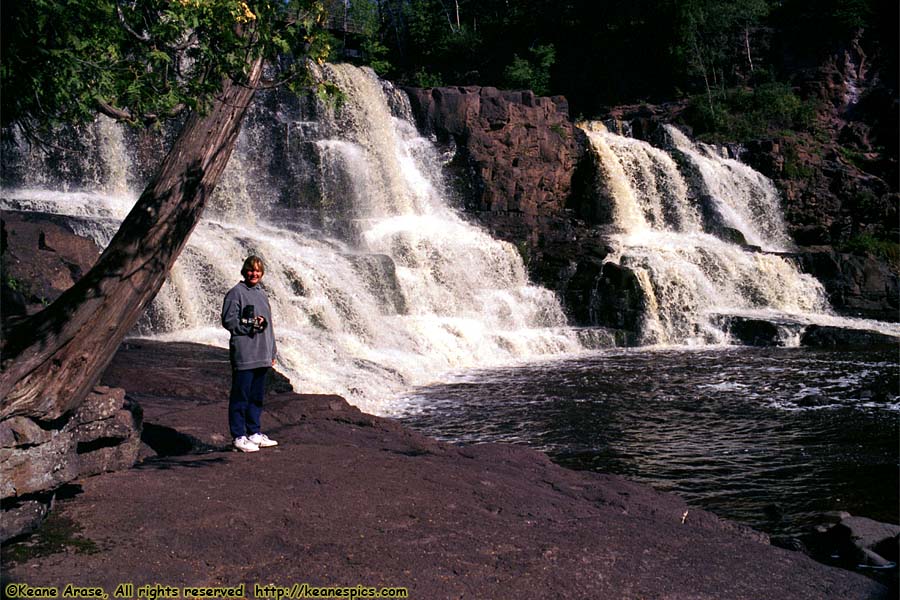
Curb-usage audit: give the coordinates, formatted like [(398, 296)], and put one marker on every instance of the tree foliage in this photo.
[(709, 36), (139, 62), (145, 59), (616, 51), (744, 113), (533, 74), (142, 60)]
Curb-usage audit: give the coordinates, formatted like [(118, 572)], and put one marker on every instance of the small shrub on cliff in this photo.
[(424, 79), (855, 158), (794, 167), (744, 114), (524, 251), (532, 74), (869, 244)]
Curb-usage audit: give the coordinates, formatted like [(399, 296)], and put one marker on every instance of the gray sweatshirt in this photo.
[(248, 349)]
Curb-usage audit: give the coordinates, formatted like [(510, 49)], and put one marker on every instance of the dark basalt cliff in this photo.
[(842, 180), (514, 159), (513, 163), (522, 169)]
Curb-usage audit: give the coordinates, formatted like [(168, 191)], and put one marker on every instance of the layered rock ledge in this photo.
[(348, 498), (522, 169)]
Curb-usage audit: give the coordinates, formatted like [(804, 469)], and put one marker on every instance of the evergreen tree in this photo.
[(139, 62)]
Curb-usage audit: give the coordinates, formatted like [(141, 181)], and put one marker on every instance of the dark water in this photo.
[(769, 437)]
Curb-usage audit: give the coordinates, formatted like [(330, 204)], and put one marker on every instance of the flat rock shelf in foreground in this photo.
[(348, 498)]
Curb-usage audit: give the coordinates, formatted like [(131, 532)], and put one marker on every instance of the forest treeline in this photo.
[(598, 53)]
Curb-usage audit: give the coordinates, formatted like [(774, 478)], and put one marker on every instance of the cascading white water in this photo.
[(743, 198), (648, 191), (377, 285), (689, 277), (408, 291)]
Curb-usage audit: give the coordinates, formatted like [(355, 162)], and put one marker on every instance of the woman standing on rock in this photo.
[(248, 318)]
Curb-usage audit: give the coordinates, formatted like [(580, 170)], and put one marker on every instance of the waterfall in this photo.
[(740, 197), (691, 278), (376, 284), (648, 190)]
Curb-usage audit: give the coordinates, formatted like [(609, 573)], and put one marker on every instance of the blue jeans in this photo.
[(245, 403)]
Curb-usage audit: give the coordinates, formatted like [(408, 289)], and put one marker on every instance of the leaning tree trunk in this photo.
[(54, 358)]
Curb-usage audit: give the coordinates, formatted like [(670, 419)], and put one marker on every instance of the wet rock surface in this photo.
[(858, 543), (522, 169), (858, 284), (820, 336), (41, 258), (350, 498), (866, 540), (784, 332), (38, 457), (755, 332)]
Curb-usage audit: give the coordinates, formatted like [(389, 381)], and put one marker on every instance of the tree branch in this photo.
[(190, 41), (34, 138), (272, 83), (118, 114), (126, 116), (173, 112), (140, 36)]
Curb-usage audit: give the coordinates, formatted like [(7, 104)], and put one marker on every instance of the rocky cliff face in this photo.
[(41, 258), (839, 180), (521, 168), (514, 156), (858, 284)]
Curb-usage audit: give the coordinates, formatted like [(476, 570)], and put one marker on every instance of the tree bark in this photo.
[(747, 46), (699, 58), (54, 358)]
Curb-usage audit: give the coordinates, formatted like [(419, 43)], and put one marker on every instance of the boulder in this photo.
[(754, 332), (863, 541), (22, 431), (858, 284), (605, 294), (822, 336), (30, 468), (106, 429), (23, 517), (36, 458), (733, 236)]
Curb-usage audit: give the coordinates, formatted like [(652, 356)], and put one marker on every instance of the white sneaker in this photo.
[(245, 445), (262, 440)]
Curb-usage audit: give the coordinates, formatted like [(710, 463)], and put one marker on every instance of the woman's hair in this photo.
[(253, 262)]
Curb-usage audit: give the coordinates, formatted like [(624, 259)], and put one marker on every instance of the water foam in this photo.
[(405, 291), (690, 277)]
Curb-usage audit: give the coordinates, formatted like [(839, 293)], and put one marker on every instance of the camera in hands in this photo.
[(249, 318)]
